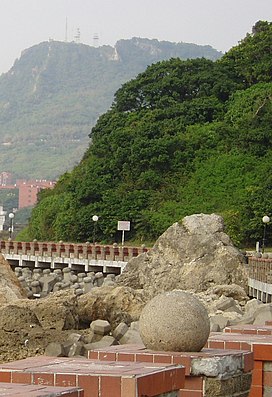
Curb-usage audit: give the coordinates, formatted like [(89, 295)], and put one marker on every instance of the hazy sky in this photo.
[(219, 23)]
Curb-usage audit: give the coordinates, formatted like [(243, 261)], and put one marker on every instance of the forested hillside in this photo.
[(183, 137), (53, 95)]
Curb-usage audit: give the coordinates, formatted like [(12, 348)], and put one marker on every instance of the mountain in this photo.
[(53, 95), (184, 137)]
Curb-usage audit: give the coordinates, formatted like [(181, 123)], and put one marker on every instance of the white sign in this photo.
[(124, 225)]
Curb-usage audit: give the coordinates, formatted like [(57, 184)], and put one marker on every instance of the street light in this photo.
[(266, 219), (95, 219), (11, 216)]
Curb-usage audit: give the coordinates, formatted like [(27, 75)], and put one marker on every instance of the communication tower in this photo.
[(77, 36), (66, 30), (95, 40)]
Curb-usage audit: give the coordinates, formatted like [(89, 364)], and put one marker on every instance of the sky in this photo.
[(219, 23)]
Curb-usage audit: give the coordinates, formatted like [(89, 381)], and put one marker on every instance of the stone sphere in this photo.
[(174, 321)]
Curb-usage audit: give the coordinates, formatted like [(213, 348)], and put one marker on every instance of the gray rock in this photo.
[(106, 341), (100, 327), (263, 314), (253, 305), (220, 320), (120, 331), (131, 337), (174, 321), (55, 349), (76, 349), (194, 254)]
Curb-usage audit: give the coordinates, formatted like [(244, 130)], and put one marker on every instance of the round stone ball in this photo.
[(174, 321)]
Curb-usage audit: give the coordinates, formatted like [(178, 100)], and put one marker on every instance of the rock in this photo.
[(100, 327), (219, 321), (174, 321), (134, 325), (120, 331), (194, 255), (232, 291), (54, 349), (106, 341), (57, 311), (76, 349), (10, 287), (131, 337), (252, 306), (228, 304), (114, 304), (263, 314), (215, 327), (74, 337)]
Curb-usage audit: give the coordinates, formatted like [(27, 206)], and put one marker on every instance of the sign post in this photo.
[(123, 226)]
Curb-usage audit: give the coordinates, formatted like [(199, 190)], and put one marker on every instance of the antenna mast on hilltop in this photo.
[(66, 30), (95, 40), (77, 36)]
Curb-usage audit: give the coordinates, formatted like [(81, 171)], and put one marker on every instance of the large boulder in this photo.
[(10, 288), (114, 304), (194, 254)]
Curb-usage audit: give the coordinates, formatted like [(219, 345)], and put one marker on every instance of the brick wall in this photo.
[(257, 339), (224, 381)]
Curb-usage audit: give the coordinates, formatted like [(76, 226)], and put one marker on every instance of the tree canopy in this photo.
[(183, 137)]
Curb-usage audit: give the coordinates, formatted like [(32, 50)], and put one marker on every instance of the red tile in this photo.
[(232, 345), (92, 355), (218, 344), (248, 362), (21, 377), (262, 352), (193, 383), (90, 384), (125, 357), (163, 359), (5, 376), (256, 391), (257, 377), (110, 386), (144, 358), (185, 361), (103, 356), (246, 346), (43, 379), (128, 387), (160, 382), (65, 380)]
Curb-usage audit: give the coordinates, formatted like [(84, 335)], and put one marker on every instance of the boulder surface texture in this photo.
[(194, 254), (174, 321)]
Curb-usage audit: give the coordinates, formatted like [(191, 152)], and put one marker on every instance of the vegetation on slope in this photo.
[(55, 92), (183, 137)]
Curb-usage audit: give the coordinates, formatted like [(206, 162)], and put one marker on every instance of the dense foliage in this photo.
[(183, 137), (55, 92)]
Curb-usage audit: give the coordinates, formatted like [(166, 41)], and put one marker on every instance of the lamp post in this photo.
[(266, 219), (95, 219), (11, 216)]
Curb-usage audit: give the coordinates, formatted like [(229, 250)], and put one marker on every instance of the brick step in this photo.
[(250, 329), (22, 390), (261, 346), (96, 378), (204, 370)]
